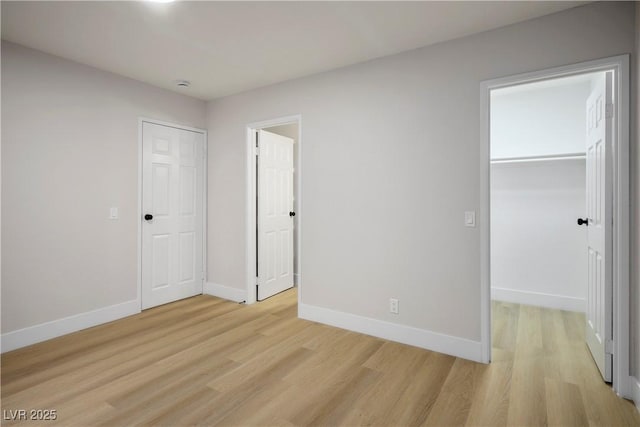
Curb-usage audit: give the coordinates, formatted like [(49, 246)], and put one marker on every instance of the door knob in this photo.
[(583, 221), (292, 214), (148, 217)]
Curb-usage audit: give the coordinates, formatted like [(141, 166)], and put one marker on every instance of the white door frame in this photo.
[(251, 205), (620, 147), (141, 121)]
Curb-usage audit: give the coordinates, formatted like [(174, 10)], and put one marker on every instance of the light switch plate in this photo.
[(113, 213), (470, 218), (394, 306)]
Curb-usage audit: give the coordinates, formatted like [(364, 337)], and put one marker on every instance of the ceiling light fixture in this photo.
[(161, 1), (183, 83)]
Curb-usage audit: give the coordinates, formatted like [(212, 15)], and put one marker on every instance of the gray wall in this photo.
[(390, 162), (69, 153)]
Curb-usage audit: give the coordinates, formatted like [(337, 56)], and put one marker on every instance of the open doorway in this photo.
[(538, 191), (273, 218), (554, 218), (550, 210)]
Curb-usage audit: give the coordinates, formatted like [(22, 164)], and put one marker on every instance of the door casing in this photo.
[(251, 206), (620, 236), (142, 120)]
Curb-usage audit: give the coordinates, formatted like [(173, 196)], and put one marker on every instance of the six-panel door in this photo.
[(599, 251), (275, 206), (172, 192)]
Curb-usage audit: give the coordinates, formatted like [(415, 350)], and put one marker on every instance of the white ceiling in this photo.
[(229, 47)]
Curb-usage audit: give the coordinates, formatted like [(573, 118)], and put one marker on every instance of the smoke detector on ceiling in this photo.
[(183, 83)]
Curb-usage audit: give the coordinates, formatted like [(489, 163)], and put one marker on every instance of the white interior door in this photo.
[(275, 210), (172, 210), (599, 225)]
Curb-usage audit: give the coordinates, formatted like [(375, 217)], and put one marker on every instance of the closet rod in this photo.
[(566, 156)]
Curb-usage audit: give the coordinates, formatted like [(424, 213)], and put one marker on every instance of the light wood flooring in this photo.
[(205, 361)]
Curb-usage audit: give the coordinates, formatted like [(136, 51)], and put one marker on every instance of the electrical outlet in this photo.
[(393, 305)]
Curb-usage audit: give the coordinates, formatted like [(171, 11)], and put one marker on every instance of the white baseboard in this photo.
[(55, 328), (454, 346), (559, 302), (634, 385), (226, 292)]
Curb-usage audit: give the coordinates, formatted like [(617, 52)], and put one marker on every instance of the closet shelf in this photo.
[(566, 156)]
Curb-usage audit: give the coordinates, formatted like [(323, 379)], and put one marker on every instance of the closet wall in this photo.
[(537, 249)]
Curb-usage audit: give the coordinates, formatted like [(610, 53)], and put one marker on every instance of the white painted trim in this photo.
[(55, 328), (620, 66), (447, 344), (250, 220), (205, 193), (546, 158), (139, 217), (225, 292), (300, 216), (250, 255), (171, 125), (485, 225), (621, 231), (560, 302), (634, 388), (205, 205)]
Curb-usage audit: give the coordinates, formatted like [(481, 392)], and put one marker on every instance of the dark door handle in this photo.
[(148, 217), (292, 214), (583, 221)]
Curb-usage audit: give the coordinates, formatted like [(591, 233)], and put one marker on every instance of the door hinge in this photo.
[(608, 111), (257, 146), (608, 346)]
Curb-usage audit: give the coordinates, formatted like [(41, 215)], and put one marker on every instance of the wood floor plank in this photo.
[(490, 404), (337, 406), (248, 411), (258, 387), (527, 401), (206, 361), (564, 404), (453, 405), (90, 376), (330, 365), (83, 342), (397, 363), (505, 325), (130, 338), (417, 400)]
